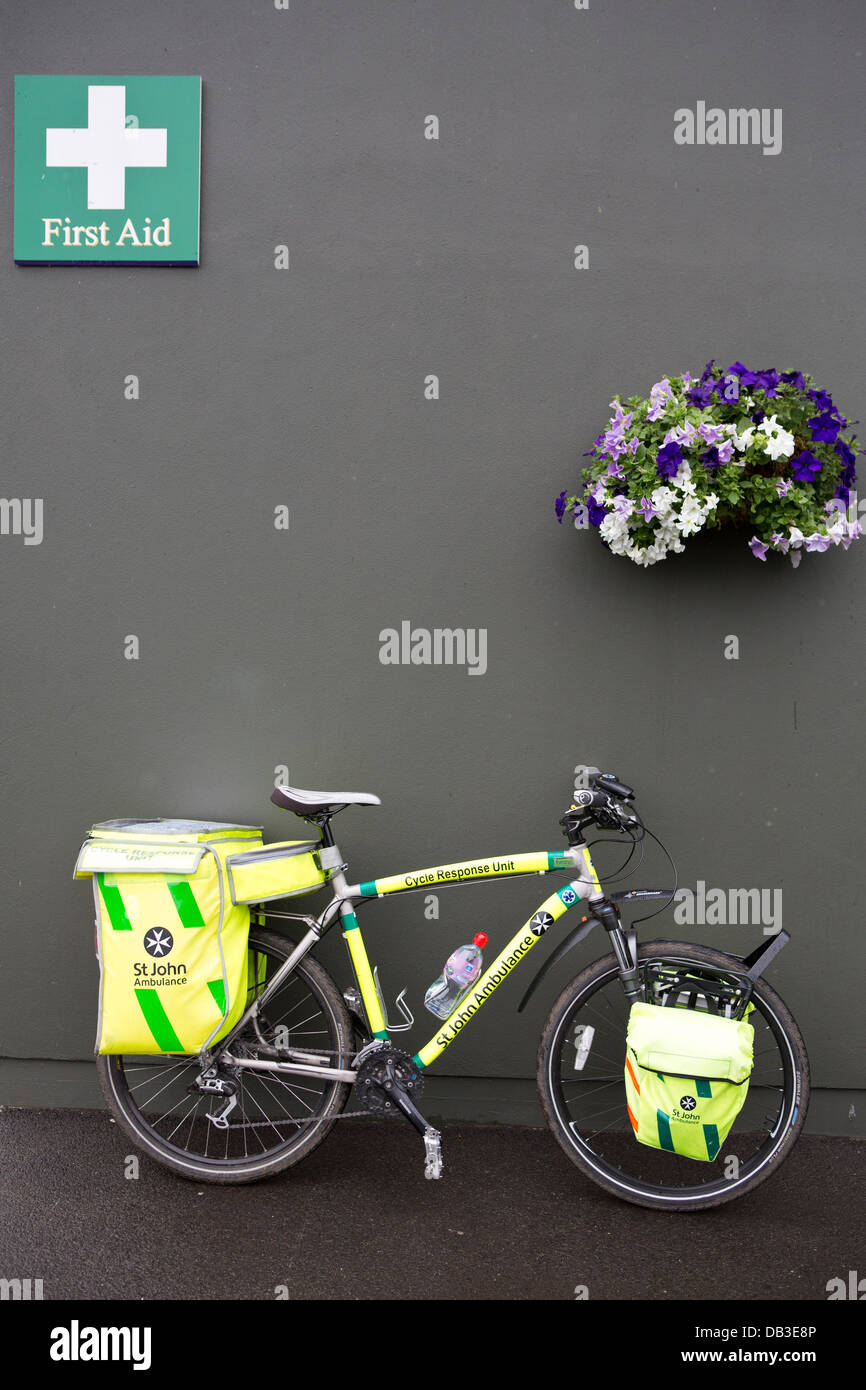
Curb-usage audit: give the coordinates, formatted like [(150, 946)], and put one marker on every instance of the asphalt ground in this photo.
[(511, 1219)]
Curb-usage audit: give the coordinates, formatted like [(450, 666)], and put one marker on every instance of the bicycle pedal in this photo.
[(432, 1153)]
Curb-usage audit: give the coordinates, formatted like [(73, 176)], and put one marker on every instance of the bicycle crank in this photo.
[(386, 1081)]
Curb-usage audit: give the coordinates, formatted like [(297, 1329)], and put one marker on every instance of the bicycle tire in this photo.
[(114, 1072), (614, 1176)]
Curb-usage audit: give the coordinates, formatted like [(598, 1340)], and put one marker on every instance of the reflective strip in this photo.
[(113, 905), (703, 1088), (633, 1077), (188, 909), (634, 1124), (665, 1140), (218, 990), (711, 1135), (157, 1021)]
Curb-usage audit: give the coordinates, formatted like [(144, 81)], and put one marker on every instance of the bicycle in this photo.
[(268, 1093)]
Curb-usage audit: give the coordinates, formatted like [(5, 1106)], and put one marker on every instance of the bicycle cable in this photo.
[(667, 904), (618, 875)]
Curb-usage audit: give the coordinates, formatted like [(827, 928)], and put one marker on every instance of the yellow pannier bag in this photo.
[(280, 870), (172, 945), (686, 1077)]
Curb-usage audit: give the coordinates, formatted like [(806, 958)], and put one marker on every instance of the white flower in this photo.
[(662, 499), (742, 441), (691, 516), (780, 445), (683, 479), (711, 502)]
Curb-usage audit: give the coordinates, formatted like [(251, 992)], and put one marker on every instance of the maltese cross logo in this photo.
[(540, 922), (158, 942), (688, 1102)]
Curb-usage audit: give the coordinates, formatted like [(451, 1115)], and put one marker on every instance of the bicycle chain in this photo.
[(314, 1119)]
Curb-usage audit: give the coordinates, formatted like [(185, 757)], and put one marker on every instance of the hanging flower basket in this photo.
[(766, 451)]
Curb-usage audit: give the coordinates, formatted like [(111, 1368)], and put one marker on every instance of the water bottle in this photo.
[(462, 969)]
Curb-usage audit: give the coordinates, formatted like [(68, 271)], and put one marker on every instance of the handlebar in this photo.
[(601, 806)]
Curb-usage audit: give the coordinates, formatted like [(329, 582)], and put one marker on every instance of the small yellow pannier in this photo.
[(280, 870)]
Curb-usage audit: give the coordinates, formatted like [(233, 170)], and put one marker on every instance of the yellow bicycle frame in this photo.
[(583, 887)]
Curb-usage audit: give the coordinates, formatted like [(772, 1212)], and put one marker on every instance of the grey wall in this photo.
[(305, 387)]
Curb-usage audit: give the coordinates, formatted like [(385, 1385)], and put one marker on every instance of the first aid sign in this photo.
[(107, 170)]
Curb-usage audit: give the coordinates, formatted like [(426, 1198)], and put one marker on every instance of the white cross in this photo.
[(105, 147)]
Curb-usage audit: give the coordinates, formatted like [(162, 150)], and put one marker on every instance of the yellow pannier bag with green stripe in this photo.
[(172, 945), (280, 870), (686, 1077)]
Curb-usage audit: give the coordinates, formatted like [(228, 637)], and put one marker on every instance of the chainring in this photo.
[(380, 1062)]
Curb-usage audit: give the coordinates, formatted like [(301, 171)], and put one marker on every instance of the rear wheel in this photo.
[(586, 1106), (278, 1119)]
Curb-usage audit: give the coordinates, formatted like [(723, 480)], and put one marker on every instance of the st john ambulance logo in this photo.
[(540, 922), (107, 170), (158, 942), (687, 1102)]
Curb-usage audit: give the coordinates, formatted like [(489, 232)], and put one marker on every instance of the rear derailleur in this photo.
[(213, 1082), (386, 1081)]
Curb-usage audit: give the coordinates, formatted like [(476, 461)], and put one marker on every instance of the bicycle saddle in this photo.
[(304, 803)]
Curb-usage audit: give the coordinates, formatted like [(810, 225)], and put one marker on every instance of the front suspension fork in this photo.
[(624, 943)]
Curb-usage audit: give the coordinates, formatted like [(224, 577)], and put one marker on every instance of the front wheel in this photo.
[(585, 1104)]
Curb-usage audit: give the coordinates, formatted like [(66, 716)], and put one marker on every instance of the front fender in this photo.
[(581, 930)]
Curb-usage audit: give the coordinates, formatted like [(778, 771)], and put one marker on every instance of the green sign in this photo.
[(107, 170)]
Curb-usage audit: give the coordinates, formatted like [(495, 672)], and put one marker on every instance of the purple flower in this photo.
[(708, 370), (843, 494), (615, 470), (805, 466), (783, 487), (758, 549), (560, 506), (710, 458), (824, 427), (818, 542), (737, 369), (728, 387), (597, 514), (795, 379), (699, 396), (647, 508), (778, 542), (669, 459), (767, 380), (846, 453), (758, 416), (822, 399)]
